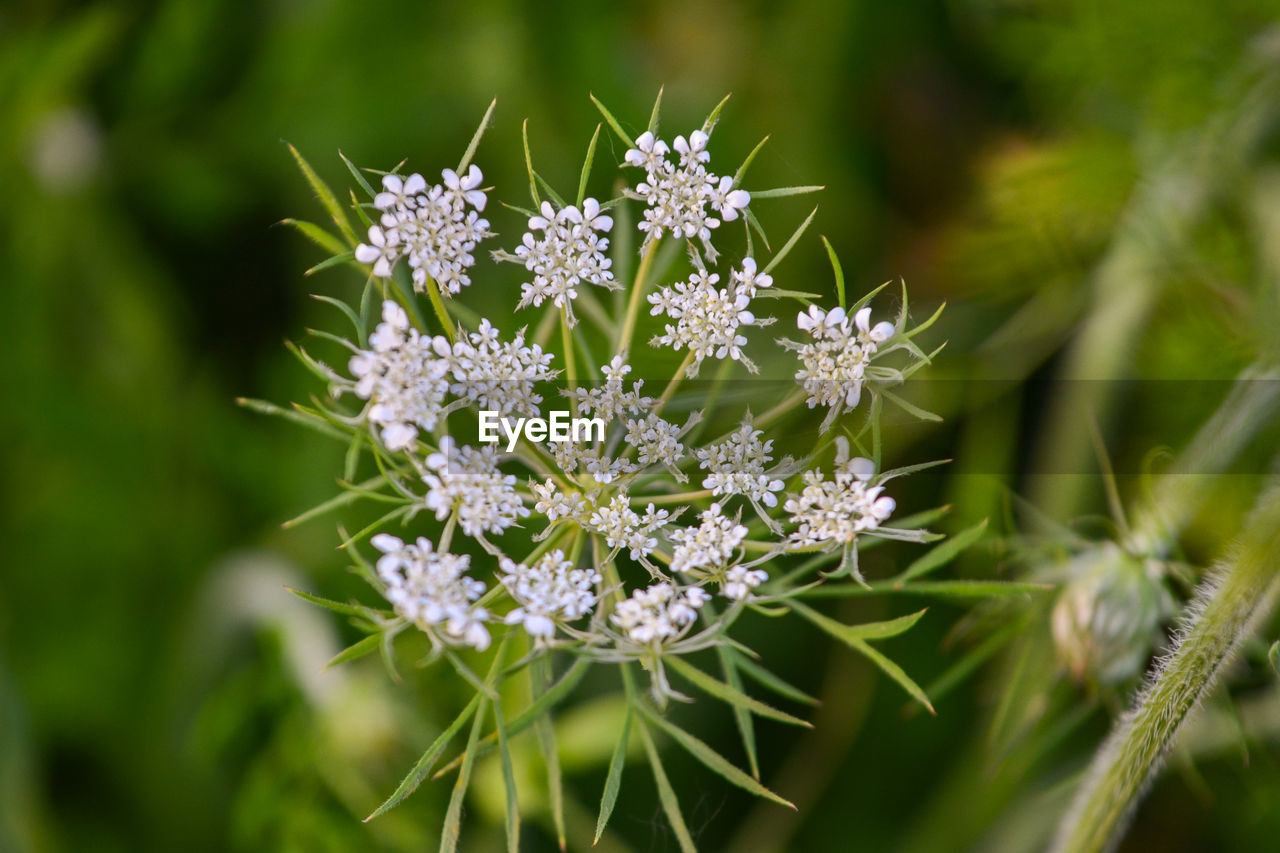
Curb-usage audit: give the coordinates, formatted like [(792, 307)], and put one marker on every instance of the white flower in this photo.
[(467, 481), (403, 377), (568, 252), (435, 227), (622, 527), (834, 362), (708, 547), (737, 466), (739, 581), (549, 590), (611, 400), (659, 613), (555, 504), (709, 319), (837, 510), (678, 195), (499, 376), (431, 590), (657, 441)]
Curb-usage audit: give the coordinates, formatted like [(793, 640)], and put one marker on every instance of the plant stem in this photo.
[(1229, 606), (637, 296), (433, 293), (570, 362)]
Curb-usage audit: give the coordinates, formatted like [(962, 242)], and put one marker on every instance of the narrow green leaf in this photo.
[(656, 113), (939, 555), (512, 801), (910, 408), (862, 303), (327, 263), (329, 604), (1274, 656), (613, 122), (849, 634), (326, 196), (666, 794), (359, 649), (420, 770), (586, 166), (346, 309), (712, 759), (754, 222), (741, 716), (958, 589), (728, 694), (782, 253), (453, 816), (263, 407), (767, 679), (710, 124), (550, 753), (837, 269), (549, 190), (358, 175), (895, 672), (742, 170), (317, 235), (475, 139), (783, 192), (528, 164), (613, 782)]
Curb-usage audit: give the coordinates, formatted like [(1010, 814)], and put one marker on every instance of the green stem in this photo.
[(1229, 605), (433, 293), (570, 361), (638, 287)]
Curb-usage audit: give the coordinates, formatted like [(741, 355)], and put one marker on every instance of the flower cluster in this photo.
[(681, 196), (708, 318), (435, 227), (568, 252), (549, 590), (835, 359), (466, 482), (491, 374), (710, 551), (736, 466), (403, 376), (659, 612), (837, 510), (431, 590)]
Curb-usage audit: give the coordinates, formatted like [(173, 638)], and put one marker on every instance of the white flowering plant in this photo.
[(636, 551)]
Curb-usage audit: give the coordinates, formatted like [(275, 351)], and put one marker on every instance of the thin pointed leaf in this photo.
[(734, 697), (712, 759), (741, 716), (358, 175), (742, 170), (656, 113), (346, 309), (767, 679), (837, 269), (263, 407), (475, 139), (759, 229), (345, 257), (528, 164), (420, 769), (958, 590), (586, 166), (891, 669), (359, 649), (666, 794), (511, 801), (862, 303), (783, 192), (910, 408), (453, 816), (613, 122), (613, 782), (549, 190), (335, 606), (317, 235), (326, 196), (938, 556), (710, 124), (550, 754), (849, 634), (782, 253)]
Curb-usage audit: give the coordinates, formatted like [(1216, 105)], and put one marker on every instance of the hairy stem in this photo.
[(1228, 607)]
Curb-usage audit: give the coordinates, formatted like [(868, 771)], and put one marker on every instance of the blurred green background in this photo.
[(1093, 187)]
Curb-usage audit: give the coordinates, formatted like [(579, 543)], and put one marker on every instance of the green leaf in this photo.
[(741, 716), (326, 196), (939, 555), (866, 631), (710, 124), (1274, 656), (586, 166), (453, 816), (511, 801), (550, 191), (550, 753), (656, 113), (896, 673), (327, 263), (958, 589), (862, 303), (837, 269), (329, 604), (420, 770), (358, 175), (783, 192), (742, 170), (528, 164), (910, 408), (728, 694), (475, 139), (613, 782), (263, 407), (666, 794), (782, 253), (359, 649), (767, 679), (346, 309), (613, 122), (317, 235), (712, 759)]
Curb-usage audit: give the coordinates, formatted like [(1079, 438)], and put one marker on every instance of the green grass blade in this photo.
[(420, 769), (730, 695), (712, 759), (666, 794)]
